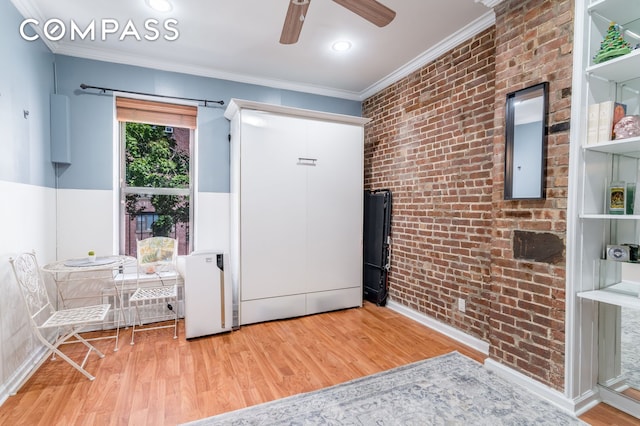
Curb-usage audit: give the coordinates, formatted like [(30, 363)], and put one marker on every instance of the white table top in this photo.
[(85, 264)]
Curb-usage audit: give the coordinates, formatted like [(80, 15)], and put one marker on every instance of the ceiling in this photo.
[(239, 39)]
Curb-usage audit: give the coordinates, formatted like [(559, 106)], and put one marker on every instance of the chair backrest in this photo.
[(157, 253), (32, 286)]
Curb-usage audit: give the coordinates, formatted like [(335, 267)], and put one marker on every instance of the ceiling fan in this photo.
[(371, 10)]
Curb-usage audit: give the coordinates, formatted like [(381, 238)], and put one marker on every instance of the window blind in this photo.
[(158, 113)]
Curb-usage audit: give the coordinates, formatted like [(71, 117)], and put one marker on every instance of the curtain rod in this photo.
[(105, 89)]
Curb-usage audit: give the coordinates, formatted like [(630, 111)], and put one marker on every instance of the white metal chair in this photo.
[(156, 258), (67, 323)]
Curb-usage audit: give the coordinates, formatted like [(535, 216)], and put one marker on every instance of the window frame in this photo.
[(123, 190)]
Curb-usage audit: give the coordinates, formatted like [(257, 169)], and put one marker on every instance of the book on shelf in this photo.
[(593, 115), (608, 113)]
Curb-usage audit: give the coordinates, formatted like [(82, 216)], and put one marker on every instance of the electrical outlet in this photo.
[(462, 304)]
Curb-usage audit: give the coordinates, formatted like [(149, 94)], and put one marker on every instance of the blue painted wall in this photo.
[(26, 80), (92, 116)]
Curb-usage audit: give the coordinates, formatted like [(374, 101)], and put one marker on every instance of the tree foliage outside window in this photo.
[(153, 159)]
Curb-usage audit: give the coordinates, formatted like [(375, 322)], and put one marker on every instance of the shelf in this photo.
[(610, 216), (624, 294), (629, 147), (617, 11), (620, 69), (614, 10)]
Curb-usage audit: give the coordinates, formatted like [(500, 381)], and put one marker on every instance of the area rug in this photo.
[(448, 390)]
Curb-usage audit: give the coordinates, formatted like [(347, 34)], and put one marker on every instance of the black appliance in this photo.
[(376, 245)]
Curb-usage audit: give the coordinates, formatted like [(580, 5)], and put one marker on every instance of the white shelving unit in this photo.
[(623, 294), (616, 160), (599, 287), (629, 147)]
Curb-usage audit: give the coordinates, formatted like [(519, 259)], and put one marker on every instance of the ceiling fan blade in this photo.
[(293, 22), (371, 10)]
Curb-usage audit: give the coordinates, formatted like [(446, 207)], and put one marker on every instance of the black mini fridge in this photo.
[(376, 245)]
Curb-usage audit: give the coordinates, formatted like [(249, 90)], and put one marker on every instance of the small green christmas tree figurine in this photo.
[(612, 46)]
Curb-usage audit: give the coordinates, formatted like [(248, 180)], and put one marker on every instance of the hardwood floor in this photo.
[(161, 381)]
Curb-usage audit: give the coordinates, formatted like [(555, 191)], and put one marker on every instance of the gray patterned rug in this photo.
[(448, 390)]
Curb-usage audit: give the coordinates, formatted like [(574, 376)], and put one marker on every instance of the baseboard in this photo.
[(586, 402), (543, 391), (447, 330), (17, 379)]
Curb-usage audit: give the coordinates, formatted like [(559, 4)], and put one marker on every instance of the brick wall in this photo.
[(430, 142), (533, 44), (437, 141)]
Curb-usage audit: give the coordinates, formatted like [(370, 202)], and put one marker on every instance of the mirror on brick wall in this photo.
[(525, 140)]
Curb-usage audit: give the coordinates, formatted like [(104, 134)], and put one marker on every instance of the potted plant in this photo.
[(92, 256)]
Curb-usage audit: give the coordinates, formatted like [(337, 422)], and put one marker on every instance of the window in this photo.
[(155, 172), (144, 224)]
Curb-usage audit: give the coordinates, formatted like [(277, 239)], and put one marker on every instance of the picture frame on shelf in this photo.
[(616, 197)]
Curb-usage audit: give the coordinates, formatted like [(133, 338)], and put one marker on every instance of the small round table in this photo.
[(74, 279)]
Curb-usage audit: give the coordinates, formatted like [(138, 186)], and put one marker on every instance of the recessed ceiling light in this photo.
[(341, 46), (159, 5)]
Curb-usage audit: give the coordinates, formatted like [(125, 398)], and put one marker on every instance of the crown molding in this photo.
[(28, 9), (465, 33), (105, 55), (490, 3)]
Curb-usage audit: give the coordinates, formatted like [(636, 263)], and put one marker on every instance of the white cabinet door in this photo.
[(335, 198), (273, 206)]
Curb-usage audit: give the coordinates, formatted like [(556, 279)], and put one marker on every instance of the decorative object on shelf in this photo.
[(612, 46), (633, 251), (630, 198), (619, 111), (627, 127), (92, 256), (617, 197), (619, 253)]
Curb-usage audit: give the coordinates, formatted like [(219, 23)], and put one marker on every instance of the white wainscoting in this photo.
[(28, 221), (212, 221), (87, 220)]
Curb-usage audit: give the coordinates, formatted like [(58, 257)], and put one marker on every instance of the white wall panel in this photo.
[(27, 217), (86, 221), (212, 221)]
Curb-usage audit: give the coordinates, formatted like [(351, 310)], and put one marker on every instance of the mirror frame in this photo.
[(510, 142)]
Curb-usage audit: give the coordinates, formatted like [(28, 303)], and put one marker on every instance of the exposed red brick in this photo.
[(436, 139)]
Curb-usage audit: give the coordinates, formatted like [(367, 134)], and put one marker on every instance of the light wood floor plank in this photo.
[(162, 381)]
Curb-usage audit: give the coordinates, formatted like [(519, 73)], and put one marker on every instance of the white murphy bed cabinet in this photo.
[(296, 210)]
